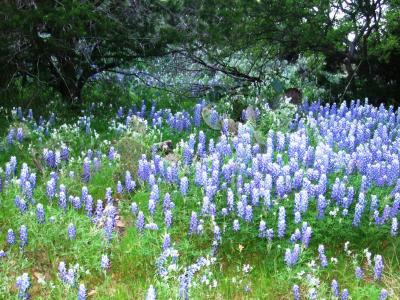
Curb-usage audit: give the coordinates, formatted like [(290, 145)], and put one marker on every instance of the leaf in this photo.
[(277, 85), (260, 137)]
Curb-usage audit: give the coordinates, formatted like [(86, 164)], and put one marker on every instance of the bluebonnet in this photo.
[(129, 183), (321, 205), (51, 188), (8, 172), (230, 199), (143, 168), (262, 229), (70, 277), (10, 136), (205, 205), (109, 228), (84, 193), (168, 218), (166, 242), (134, 208), (23, 237), (335, 288), (296, 292), (193, 223), (396, 206), (167, 204), (99, 211), (358, 214), (89, 205), (87, 126), (345, 294), (76, 202), (105, 262), (322, 256), (140, 221), (212, 209), (152, 206), (214, 117), (306, 237), (248, 213), (108, 196), (394, 227), (197, 114), (54, 176), (304, 201), (359, 273), (386, 214), (281, 222), (151, 293), (50, 158), (120, 112), (155, 193), (292, 256), (374, 203), (96, 164), (20, 204), (151, 226), (383, 295), (296, 236), (62, 200), (119, 187), (255, 196), (225, 126), (28, 191), (82, 292), (10, 237), (378, 267), (64, 153), (62, 272), (86, 170), (187, 155), (23, 284), (40, 214), (112, 153), (236, 225), (217, 233), (184, 184), (71, 231), (280, 186)]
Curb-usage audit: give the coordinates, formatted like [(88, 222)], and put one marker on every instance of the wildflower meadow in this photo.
[(94, 211)]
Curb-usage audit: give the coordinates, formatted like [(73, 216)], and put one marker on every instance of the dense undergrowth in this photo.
[(94, 207)]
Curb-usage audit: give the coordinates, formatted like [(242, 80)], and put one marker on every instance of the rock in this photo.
[(295, 95), (250, 114), (165, 146)]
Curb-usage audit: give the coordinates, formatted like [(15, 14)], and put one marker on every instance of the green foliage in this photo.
[(277, 119)]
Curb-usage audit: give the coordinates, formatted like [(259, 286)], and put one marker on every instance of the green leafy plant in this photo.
[(277, 119)]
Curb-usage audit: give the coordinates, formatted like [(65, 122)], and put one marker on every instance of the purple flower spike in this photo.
[(378, 268), (71, 231), (40, 214)]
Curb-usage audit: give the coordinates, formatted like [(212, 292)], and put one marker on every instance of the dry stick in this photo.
[(348, 84)]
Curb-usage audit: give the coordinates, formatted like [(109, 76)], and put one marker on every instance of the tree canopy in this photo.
[(63, 44)]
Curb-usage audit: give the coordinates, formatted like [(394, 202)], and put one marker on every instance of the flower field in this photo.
[(100, 206)]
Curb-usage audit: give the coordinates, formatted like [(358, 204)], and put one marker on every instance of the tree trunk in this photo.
[(71, 94)]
